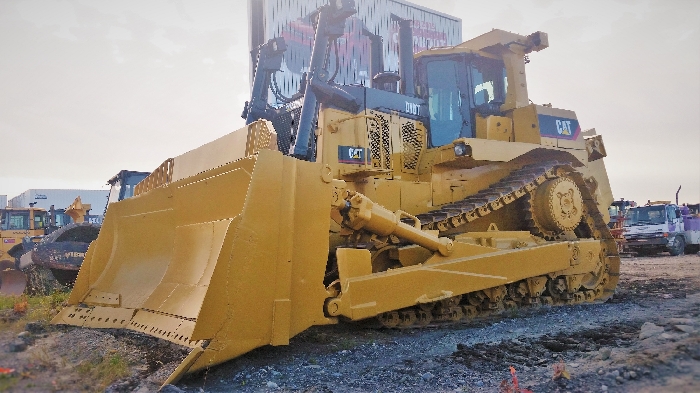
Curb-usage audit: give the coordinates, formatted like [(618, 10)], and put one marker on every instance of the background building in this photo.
[(291, 19), (61, 199), (3, 201)]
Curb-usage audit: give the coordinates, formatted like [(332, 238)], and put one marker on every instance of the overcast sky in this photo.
[(88, 88)]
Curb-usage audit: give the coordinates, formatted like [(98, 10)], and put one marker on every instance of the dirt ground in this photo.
[(645, 339)]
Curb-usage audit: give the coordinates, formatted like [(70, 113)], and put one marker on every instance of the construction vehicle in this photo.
[(59, 241), (63, 250), (453, 197), (17, 224), (661, 226), (617, 212)]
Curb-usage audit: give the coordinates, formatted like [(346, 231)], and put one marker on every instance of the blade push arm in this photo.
[(359, 212)]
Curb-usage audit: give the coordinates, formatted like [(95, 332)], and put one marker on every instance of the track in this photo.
[(519, 185)]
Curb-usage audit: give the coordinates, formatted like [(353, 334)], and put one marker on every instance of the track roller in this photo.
[(510, 305), (389, 319), (423, 318), (407, 318), (470, 311)]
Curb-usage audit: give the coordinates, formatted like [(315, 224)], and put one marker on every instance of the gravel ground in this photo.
[(643, 340)]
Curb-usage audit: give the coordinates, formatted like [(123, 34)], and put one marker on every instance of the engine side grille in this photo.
[(413, 141), (379, 141)]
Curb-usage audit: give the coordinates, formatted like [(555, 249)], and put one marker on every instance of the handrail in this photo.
[(162, 176)]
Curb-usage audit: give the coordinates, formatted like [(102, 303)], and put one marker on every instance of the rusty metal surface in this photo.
[(77, 232), (60, 255), (12, 282), (63, 251), (7, 264)]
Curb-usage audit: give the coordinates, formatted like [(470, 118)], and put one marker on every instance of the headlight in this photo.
[(461, 149)]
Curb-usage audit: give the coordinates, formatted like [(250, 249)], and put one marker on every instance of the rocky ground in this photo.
[(646, 339)]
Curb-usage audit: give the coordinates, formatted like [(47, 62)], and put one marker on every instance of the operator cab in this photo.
[(22, 219), (652, 215), (457, 87), (123, 184)]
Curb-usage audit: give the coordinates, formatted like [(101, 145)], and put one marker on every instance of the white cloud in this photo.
[(57, 14), (119, 34), (117, 55), (158, 39)]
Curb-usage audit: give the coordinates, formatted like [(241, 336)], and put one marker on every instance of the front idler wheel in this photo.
[(556, 208)]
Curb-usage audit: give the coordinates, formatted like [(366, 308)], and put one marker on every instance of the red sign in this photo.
[(8, 241)]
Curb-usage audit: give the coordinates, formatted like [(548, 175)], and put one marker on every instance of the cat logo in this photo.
[(351, 154), (564, 127), (558, 127), (355, 153)]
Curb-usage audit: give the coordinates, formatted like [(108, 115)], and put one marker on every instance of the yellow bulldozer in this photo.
[(437, 194)]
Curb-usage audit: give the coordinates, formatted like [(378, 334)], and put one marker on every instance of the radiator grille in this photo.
[(380, 142), (412, 140)]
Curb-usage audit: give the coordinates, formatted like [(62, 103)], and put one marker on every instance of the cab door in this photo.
[(447, 100), (674, 218), (38, 220)]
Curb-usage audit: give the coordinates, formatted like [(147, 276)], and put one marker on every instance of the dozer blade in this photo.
[(222, 262)]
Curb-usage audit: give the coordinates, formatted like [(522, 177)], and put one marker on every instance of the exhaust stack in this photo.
[(376, 58), (405, 55)]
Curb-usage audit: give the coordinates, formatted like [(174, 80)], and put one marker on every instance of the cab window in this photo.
[(39, 220), (15, 220), (489, 81), (129, 190), (444, 101), (62, 219), (670, 213)]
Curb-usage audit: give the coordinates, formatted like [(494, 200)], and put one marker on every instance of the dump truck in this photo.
[(438, 193)]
